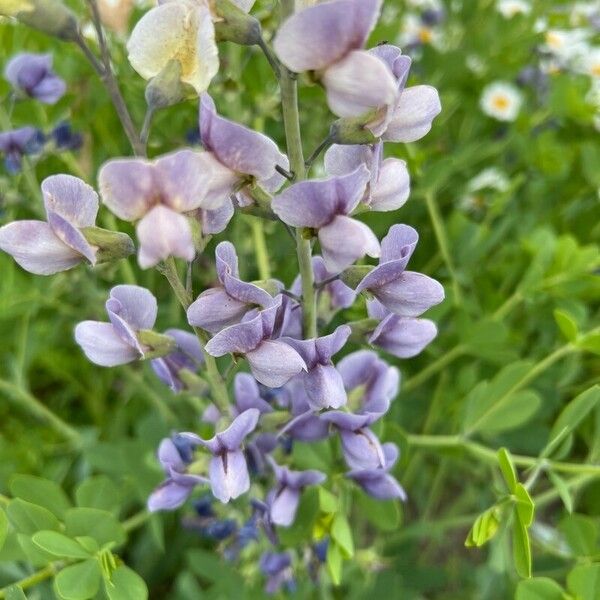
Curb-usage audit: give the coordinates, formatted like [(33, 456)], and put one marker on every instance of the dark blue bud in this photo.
[(203, 506), (220, 530), (65, 138), (192, 137), (320, 549), (184, 446)]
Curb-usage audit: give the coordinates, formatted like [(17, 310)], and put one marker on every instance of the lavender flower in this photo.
[(283, 500), (157, 194), (228, 470), (130, 309), (32, 75), (378, 482), (277, 568), (401, 336), (174, 455), (186, 355), (225, 305), (328, 39), (405, 293), (272, 362), (324, 205), (17, 143), (47, 247), (323, 383), (65, 138), (238, 154), (389, 185)]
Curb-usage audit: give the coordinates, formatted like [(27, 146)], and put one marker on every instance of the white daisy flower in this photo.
[(589, 63), (501, 100), (510, 8)]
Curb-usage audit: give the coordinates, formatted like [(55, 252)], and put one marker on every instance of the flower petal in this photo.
[(324, 387), (274, 363), (168, 496), (36, 248), (135, 305), (71, 198), (392, 188), (284, 506), (229, 476), (244, 424), (362, 449), (403, 337), (102, 345)]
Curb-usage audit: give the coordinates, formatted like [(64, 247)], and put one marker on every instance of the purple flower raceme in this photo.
[(272, 362), (17, 143), (157, 194), (228, 470), (186, 355), (389, 185), (32, 75), (174, 455), (403, 337), (328, 39), (57, 244), (404, 293), (325, 205), (131, 309), (323, 383), (278, 569), (283, 500), (378, 482), (225, 305)]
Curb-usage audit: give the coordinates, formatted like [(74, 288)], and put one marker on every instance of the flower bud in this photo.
[(111, 245), (158, 343), (234, 25), (50, 16), (167, 89)]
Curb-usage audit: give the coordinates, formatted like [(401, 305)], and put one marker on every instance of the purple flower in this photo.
[(32, 75), (405, 293), (378, 482), (403, 337), (228, 470), (325, 205), (18, 142), (328, 39), (323, 383), (158, 193), (283, 500), (272, 362), (130, 309), (389, 185), (237, 154), (277, 567), (65, 138), (225, 305), (247, 395), (409, 118), (178, 486), (47, 247), (187, 355)]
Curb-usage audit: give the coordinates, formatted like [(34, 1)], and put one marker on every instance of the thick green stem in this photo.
[(213, 375), (31, 404), (260, 248)]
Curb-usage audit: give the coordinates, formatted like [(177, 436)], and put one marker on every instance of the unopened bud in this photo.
[(111, 245), (167, 89), (235, 25), (50, 16)]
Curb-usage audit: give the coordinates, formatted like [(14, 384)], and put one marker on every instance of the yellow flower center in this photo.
[(500, 102), (425, 35), (554, 40)]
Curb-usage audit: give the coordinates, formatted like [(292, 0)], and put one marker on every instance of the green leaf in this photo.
[(334, 563), (29, 518), (484, 529), (508, 468), (42, 492), (99, 524), (521, 548), (59, 544), (510, 412), (328, 503), (14, 592), (78, 582), (342, 534), (125, 584), (567, 324), (590, 342), (386, 515), (3, 527), (576, 411), (584, 582), (98, 492), (539, 588), (35, 555), (563, 490), (581, 534), (525, 506)]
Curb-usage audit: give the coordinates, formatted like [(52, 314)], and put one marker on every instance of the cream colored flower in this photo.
[(501, 101), (182, 30)]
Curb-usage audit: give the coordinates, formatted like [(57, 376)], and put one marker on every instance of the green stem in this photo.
[(433, 368), (260, 248), (217, 384), (507, 306), (27, 401), (442, 240)]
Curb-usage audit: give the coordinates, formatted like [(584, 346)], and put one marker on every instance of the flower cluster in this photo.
[(296, 390)]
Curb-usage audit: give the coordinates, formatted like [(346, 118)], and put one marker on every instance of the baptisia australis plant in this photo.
[(300, 369)]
